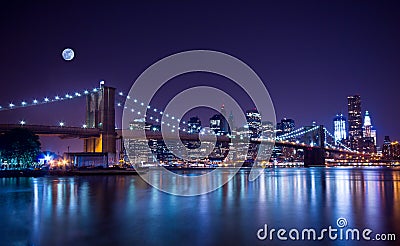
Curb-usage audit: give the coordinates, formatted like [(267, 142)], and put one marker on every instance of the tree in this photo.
[(21, 146)]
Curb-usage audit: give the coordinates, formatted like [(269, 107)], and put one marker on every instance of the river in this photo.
[(124, 210)]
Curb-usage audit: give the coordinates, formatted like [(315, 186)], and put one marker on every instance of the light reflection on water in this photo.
[(124, 210)]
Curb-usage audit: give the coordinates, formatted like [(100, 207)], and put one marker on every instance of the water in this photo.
[(124, 210)]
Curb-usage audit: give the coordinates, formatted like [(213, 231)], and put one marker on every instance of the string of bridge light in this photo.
[(290, 133), (337, 142), (335, 147), (298, 134), (45, 100), (169, 120)]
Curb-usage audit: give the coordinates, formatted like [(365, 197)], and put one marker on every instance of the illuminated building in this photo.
[(253, 118), (354, 121), (368, 129), (339, 128), (287, 125), (219, 124), (368, 141), (194, 125), (390, 150)]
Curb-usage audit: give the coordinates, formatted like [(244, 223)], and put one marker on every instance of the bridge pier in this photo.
[(100, 114), (314, 157)]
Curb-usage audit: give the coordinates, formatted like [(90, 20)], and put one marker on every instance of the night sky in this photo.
[(310, 54)]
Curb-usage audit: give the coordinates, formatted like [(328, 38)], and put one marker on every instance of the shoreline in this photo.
[(102, 172)]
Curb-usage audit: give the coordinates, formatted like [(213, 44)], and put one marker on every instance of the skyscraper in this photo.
[(339, 126), (368, 129), (287, 125), (253, 118), (369, 135), (219, 124), (194, 125), (355, 121)]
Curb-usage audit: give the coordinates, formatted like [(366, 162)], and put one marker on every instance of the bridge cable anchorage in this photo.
[(46, 100)]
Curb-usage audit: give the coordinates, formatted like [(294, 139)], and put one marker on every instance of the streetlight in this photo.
[(62, 124), (22, 122)]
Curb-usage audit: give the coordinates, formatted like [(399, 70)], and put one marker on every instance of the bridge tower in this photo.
[(100, 114), (315, 156)]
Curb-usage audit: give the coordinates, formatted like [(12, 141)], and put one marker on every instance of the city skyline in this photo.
[(310, 59)]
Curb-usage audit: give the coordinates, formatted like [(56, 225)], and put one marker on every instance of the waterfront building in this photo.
[(354, 121), (137, 150), (390, 149)]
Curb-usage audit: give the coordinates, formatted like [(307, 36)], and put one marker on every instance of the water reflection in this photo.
[(124, 210)]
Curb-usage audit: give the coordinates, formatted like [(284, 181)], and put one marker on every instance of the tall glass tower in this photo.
[(339, 126), (355, 121)]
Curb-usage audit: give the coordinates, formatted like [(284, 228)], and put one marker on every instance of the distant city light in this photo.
[(61, 124), (84, 126), (22, 122), (46, 99), (35, 101), (11, 105), (23, 103)]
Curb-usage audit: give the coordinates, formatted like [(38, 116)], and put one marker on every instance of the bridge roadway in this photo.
[(195, 137), (58, 131), (79, 132)]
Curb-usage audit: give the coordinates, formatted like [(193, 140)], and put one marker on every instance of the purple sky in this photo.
[(310, 54)]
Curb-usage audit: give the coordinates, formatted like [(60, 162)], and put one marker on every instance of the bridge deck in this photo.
[(63, 132)]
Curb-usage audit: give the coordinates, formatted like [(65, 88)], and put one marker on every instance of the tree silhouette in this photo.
[(20, 146)]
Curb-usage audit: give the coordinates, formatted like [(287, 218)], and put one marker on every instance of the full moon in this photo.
[(68, 54)]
